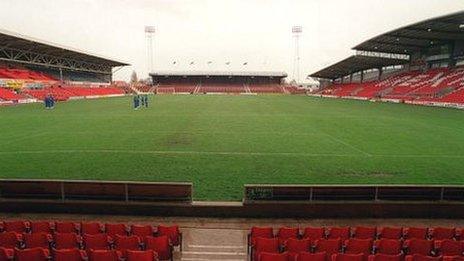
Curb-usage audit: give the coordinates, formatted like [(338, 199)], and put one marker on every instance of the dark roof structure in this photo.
[(23, 49), (220, 74), (356, 63), (418, 36)]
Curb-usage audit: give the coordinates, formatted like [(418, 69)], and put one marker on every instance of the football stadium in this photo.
[(365, 163)]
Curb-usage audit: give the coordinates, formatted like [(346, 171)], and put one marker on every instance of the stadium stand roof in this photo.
[(356, 63), (418, 36), (27, 50), (219, 73)]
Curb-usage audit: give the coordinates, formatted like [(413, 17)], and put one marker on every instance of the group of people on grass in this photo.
[(49, 102), (140, 101)]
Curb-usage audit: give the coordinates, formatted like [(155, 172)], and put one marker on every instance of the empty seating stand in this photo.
[(83, 240), (377, 243)]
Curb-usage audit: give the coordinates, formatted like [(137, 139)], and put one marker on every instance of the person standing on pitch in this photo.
[(136, 102), (46, 101), (146, 100), (142, 101), (52, 102)]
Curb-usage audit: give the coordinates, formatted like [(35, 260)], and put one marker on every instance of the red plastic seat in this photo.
[(160, 245), (147, 255), (269, 245), (415, 232), (32, 254), (116, 229), (330, 246), (69, 255), (9, 239), (295, 246), (314, 233), (96, 242), (384, 257), (142, 231), (348, 257), (419, 246), (285, 233), (359, 246), (104, 255), (6, 254), (41, 226), (339, 232), (391, 232), (453, 258), (448, 247), (365, 232), (124, 243), (65, 227), (172, 232), (91, 228), (306, 256), (264, 232), (37, 240), (15, 226), (66, 240), (388, 246), (440, 233), (418, 257), (264, 256)]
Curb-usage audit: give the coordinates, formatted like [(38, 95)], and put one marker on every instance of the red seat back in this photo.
[(306, 256), (90, 228), (6, 254), (359, 246), (65, 227), (264, 232), (365, 232), (419, 246), (160, 245), (9, 239), (440, 233), (36, 240), (172, 232), (66, 240), (142, 231), (419, 257), (124, 243), (147, 255), (348, 257), (97, 242), (391, 232), (388, 246), (330, 246), (264, 256), (298, 245), (339, 232), (31, 254), (68, 255), (116, 229), (449, 247), (41, 226), (15, 226), (384, 257), (103, 255), (285, 233), (314, 233), (415, 232)]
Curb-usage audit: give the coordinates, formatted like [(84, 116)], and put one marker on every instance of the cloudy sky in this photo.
[(235, 31)]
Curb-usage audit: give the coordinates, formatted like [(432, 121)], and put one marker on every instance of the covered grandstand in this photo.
[(32, 68), (222, 82), (419, 63)]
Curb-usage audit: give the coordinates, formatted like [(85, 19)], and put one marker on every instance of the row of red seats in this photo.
[(304, 256), (42, 254), (360, 232), (9, 95), (293, 246), (24, 74)]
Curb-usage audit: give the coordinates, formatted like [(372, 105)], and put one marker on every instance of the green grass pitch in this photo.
[(221, 142)]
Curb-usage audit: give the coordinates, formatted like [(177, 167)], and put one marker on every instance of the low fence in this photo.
[(310, 193), (95, 190)]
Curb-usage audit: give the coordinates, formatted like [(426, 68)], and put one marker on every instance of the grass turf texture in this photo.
[(222, 142)]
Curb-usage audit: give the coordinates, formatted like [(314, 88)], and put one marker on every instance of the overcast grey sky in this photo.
[(255, 31)]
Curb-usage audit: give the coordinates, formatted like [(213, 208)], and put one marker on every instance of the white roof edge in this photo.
[(219, 73), (72, 49)]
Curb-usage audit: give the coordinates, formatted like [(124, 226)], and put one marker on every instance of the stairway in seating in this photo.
[(207, 244), (197, 88)]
